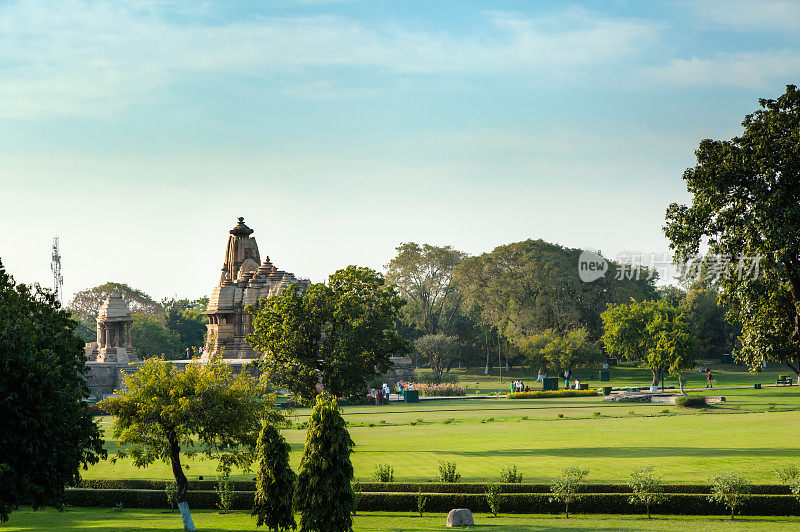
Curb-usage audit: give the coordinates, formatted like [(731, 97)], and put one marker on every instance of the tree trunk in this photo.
[(486, 372), (680, 384), (567, 510), (648, 510), (499, 360), (183, 484), (656, 377)]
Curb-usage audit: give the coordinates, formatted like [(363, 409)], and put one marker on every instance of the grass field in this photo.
[(129, 520), (751, 432)]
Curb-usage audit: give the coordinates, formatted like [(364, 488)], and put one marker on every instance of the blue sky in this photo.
[(139, 131)]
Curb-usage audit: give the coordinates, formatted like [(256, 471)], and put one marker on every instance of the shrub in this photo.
[(729, 489), (552, 393), (447, 472), (510, 475), (324, 494), (225, 493), (565, 486), (275, 481), (383, 473), (422, 500), (171, 491), (494, 497), (790, 475), (646, 487), (691, 401)]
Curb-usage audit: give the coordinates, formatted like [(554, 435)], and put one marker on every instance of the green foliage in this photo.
[(439, 351), (163, 413), (383, 473), (171, 492), (185, 318), (86, 303), (527, 287), (692, 401), (225, 493), (790, 475), (654, 333), (324, 494), (565, 487), (744, 204), (423, 275), (151, 339), (559, 351), (729, 489), (275, 482), (447, 472), (494, 497), (422, 501), (341, 333), (646, 487), (510, 475), (46, 430)]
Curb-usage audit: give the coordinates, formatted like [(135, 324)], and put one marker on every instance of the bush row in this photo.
[(596, 503), (429, 487), (552, 393)]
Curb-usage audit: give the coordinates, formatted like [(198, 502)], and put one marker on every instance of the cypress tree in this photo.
[(275, 481), (324, 491)]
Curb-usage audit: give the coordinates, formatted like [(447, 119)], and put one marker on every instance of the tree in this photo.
[(324, 493), (706, 318), (646, 487), (424, 277), (730, 489), (438, 350), (746, 207), (655, 333), (340, 334), (527, 287), (150, 338), (275, 483), (205, 409), (559, 351), (86, 303), (185, 318), (565, 486), (46, 430)]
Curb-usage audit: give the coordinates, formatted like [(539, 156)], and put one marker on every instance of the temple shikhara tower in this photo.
[(243, 281)]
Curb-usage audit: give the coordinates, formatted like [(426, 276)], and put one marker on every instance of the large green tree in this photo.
[(424, 277), (746, 208), (527, 287), (654, 333), (339, 334), (275, 484), (551, 349), (163, 413), (46, 430), (86, 303), (185, 317), (438, 350), (324, 493)]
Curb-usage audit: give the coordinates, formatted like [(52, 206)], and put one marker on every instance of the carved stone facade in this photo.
[(243, 282)]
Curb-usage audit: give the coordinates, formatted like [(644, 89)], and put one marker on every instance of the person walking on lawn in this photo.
[(709, 379)]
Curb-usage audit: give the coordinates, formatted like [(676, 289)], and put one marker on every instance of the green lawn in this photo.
[(750, 433), (103, 520)]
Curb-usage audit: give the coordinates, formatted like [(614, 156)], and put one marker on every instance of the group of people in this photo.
[(519, 386)]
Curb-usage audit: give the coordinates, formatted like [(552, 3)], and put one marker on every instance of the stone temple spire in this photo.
[(241, 246)]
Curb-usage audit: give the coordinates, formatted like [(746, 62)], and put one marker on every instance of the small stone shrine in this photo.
[(112, 353), (243, 282)]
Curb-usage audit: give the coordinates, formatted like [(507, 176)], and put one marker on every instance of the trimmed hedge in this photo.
[(553, 393), (520, 503), (430, 487)]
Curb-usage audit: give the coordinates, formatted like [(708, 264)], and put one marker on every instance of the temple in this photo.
[(112, 353), (243, 282)]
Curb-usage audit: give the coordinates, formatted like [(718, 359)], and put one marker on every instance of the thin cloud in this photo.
[(78, 57), (754, 70), (748, 16)]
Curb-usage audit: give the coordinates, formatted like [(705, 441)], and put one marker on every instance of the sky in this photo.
[(137, 132)]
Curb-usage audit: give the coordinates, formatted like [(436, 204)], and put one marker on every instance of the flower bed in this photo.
[(553, 393), (446, 389)]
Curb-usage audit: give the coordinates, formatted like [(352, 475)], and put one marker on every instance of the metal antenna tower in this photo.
[(55, 266)]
